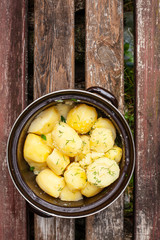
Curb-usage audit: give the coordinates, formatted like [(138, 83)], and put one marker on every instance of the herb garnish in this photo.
[(74, 100), (32, 169), (70, 140), (43, 137), (63, 119), (78, 117)]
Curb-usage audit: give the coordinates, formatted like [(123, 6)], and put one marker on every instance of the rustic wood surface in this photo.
[(13, 100), (53, 70), (147, 190), (104, 67), (54, 46)]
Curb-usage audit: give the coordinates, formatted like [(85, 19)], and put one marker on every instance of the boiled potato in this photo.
[(102, 172), (114, 153), (57, 162), (37, 167), (105, 123), (101, 140), (96, 155), (47, 139), (66, 139), (63, 109), (90, 190), (81, 118), (45, 121), (68, 195), (85, 147), (35, 150), (49, 182), (86, 160), (85, 144), (89, 158), (75, 177)]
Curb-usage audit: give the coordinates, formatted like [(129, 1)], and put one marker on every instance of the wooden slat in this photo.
[(13, 100), (53, 70), (147, 177), (54, 46), (104, 67)]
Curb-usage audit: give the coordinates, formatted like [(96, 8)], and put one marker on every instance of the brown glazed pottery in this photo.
[(24, 179)]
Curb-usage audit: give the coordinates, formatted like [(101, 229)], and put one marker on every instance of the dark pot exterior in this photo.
[(24, 179)]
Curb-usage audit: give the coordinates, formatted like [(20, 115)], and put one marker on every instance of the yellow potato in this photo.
[(89, 158), (63, 109), (96, 155), (66, 139), (49, 182), (85, 147), (102, 172), (68, 195), (85, 144), (90, 190), (47, 139), (45, 121), (101, 140), (35, 150), (37, 167), (114, 153), (81, 118), (75, 177), (86, 160), (57, 162), (105, 123)]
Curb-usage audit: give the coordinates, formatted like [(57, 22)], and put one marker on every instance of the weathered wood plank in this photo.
[(104, 67), (54, 46), (147, 177), (53, 70), (13, 100)]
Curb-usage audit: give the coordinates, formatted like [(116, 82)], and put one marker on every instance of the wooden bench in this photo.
[(53, 70)]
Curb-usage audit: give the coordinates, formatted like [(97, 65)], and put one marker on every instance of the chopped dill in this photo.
[(32, 169), (63, 119), (43, 137)]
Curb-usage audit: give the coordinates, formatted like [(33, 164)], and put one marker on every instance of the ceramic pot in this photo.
[(24, 179)]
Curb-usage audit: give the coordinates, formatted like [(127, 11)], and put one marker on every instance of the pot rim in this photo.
[(41, 98)]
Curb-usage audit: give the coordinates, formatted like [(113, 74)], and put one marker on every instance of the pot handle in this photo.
[(104, 93)]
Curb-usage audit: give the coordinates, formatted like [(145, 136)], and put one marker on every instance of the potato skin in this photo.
[(114, 153), (75, 177), (35, 150), (102, 172), (45, 121), (101, 140), (68, 195), (81, 118), (90, 190), (66, 139), (105, 123), (57, 162), (49, 182)]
